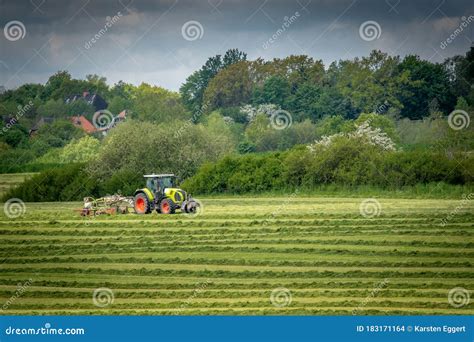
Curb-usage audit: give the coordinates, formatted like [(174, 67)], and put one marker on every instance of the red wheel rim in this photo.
[(140, 204), (165, 207)]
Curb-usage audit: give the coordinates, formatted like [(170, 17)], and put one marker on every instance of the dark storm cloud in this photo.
[(146, 42)]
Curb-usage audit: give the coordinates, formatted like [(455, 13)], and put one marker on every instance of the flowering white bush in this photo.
[(251, 111), (373, 136)]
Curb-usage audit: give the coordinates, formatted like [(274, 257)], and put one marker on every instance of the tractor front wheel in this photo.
[(167, 206), (141, 204)]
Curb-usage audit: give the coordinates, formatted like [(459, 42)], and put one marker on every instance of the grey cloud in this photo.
[(146, 44)]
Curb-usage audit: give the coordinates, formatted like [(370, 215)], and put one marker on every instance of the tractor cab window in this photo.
[(167, 182), (152, 184)]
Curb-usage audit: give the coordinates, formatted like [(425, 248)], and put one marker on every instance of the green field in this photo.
[(321, 252)]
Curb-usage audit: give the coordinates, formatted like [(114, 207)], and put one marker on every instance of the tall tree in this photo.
[(426, 82), (192, 91)]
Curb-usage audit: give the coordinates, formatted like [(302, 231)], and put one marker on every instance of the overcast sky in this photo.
[(163, 41)]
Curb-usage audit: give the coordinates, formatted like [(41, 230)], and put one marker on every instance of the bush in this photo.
[(420, 166), (345, 161), (77, 151), (238, 174), (235, 113), (124, 182), (178, 148), (264, 137), (330, 125), (385, 123)]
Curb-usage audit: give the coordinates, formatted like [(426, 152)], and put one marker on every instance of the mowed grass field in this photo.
[(242, 255)]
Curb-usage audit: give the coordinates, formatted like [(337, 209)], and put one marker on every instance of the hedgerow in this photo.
[(345, 162)]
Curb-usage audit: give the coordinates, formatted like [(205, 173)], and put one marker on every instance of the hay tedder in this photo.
[(114, 204), (160, 194)]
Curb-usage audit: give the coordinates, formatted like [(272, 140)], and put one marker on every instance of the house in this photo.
[(42, 121), (81, 122), (93, 99)]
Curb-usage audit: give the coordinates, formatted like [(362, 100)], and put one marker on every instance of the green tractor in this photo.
[(162, 195)]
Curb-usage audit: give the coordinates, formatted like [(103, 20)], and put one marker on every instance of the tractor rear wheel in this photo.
[(141, 204), (167, 206)]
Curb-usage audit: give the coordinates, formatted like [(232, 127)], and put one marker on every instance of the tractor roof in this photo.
[(161, 175)]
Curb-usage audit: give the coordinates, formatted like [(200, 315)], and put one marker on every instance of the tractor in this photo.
[(162, 195)]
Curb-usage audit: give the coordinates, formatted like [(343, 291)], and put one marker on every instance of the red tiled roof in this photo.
[(84, 124)]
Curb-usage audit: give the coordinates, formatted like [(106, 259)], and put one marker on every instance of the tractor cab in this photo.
[(158, 183)]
